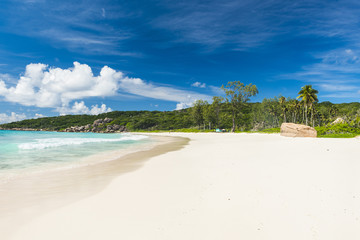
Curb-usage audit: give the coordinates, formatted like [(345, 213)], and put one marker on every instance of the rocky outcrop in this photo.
[(297, 130), (98, 126), (98, 122), (339, 120), (115, 128), (258, 126), (23, 129), (108, 120), (75, 129)]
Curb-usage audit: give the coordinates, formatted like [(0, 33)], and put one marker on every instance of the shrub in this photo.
[(337, 130)]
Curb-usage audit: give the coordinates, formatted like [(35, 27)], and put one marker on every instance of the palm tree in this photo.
[(282, 102), (293, 109), (308, 97)]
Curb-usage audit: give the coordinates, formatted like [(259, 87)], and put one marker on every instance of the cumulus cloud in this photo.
[(81, 108), (13, 117), (54, 87), (43, 86), (180, 106), (199, 85)]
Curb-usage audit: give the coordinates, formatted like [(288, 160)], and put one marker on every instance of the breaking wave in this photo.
[(59, 142)]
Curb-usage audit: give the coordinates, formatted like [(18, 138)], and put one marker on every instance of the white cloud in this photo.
[(199, 85), (13, 117), (6, 77), (39, 115), (335, 71), (81, 108), (139, 87), (103, 13), (95, 110), (180, 106), (216, 90), (337, 87), (57, 88)]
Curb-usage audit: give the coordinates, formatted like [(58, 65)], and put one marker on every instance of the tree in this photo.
[(212, 111), (282, 102), (293, 108), (308, 97), (237, 93), (197, 112), (272, 107), (209, 115)]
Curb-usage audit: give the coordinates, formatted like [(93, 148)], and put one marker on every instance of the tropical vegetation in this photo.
[(234, 112)]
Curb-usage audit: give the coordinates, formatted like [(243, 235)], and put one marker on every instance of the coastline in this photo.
[(222, 186), (26, 197)]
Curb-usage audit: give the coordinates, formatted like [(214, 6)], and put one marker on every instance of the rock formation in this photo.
[(297, 130), (339, 120), (99, 126), (108, 120), (98, 122)]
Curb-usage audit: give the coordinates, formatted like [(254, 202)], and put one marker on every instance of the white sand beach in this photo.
[(220, 186)]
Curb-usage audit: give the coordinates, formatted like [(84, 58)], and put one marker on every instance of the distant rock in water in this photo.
[(99, 127), (297, 130)]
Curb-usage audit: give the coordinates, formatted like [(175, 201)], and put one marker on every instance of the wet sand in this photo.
[(25, 198)]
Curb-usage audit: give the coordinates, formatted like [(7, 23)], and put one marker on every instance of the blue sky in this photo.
[(74, 57)]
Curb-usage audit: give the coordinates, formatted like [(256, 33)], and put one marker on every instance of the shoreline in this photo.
[(101, 156), (222, 186), (27, 197)]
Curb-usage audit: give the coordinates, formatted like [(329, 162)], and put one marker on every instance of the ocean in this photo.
[(21, 150)]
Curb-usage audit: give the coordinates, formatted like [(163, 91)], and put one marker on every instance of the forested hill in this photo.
[(133, 120), (270, 113)]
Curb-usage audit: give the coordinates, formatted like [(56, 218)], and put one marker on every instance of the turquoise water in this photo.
[(25, 149)]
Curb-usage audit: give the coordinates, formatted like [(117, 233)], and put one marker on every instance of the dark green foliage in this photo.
[(308, 97), (234, 112), (237, 95), (133, 120), (197, 112), (266, 116)]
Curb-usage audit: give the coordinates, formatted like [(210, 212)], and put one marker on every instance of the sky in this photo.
[(90, 57)]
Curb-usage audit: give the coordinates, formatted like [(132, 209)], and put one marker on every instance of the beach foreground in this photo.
[(222, 186)]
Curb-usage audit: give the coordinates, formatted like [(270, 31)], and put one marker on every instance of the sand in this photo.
[(221, 186)]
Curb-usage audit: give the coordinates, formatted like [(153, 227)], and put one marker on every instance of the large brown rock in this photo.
[(297, 130)]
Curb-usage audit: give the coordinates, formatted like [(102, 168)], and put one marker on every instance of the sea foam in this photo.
[(58, 142)]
